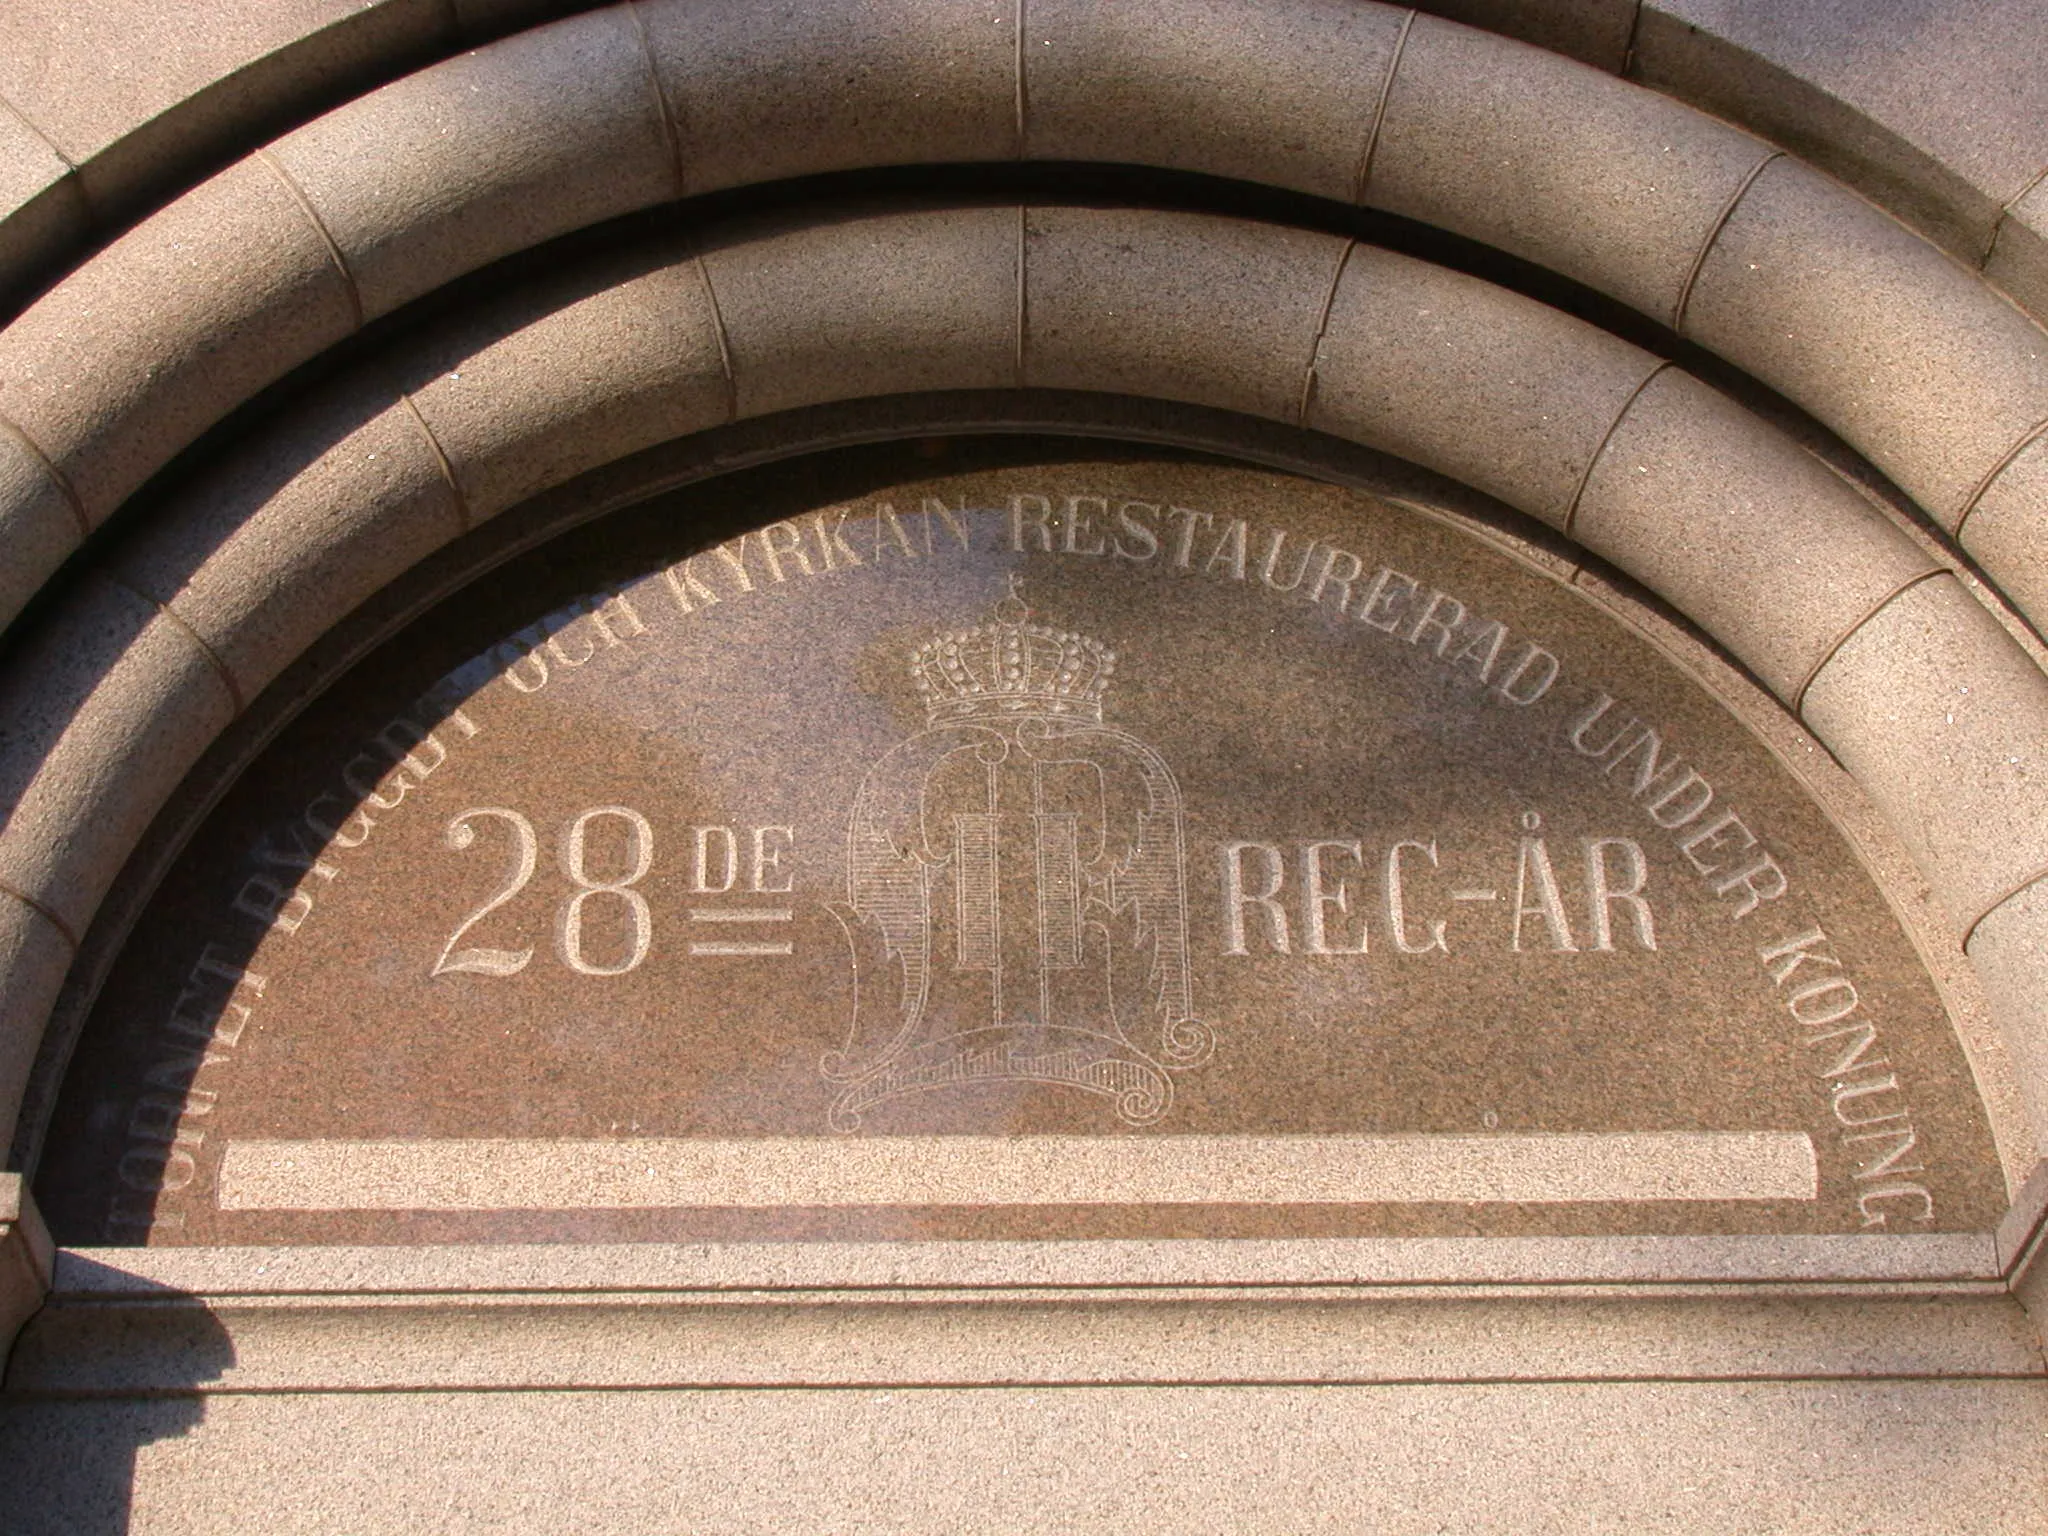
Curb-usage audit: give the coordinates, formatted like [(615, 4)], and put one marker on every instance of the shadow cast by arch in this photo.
[(111, 1366)]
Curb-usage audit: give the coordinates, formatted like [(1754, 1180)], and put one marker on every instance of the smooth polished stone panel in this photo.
[(1028, 840)]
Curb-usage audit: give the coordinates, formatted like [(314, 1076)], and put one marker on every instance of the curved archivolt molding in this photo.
[(98, 122), (1912, 359), (169, 632), (1800, 578)]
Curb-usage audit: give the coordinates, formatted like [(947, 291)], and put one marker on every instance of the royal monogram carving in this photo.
[(1016, 887)]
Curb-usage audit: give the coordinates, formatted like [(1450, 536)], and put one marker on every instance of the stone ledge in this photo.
[(26, 1260), (465, 1342)]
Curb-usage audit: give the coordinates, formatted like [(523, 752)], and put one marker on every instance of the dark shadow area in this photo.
[(111, 1366)]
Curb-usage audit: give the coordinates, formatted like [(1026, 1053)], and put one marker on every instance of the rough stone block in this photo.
[(1943, 721), (1469, 379), (1560, 164), (1743, 530), (26, 1258), (104, 709), (1199, 87), (1175, 306), (875, 306), (1824, 1458), (446, 170), (761, 93), (1923, 369)]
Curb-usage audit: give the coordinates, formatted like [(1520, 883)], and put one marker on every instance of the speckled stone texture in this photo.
[(1369, 830), (1945, 1458)]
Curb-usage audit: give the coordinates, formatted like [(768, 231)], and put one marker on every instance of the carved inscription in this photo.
[(988, 807)]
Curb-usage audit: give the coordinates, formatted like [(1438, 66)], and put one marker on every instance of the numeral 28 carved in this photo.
[(483, 961)]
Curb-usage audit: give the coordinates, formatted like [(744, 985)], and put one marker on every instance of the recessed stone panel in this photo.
[(1018, 841)]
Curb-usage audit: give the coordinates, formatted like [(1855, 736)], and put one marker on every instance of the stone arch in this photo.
[(163, 633)]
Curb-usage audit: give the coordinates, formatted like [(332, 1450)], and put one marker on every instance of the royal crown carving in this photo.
[(1008, 666)]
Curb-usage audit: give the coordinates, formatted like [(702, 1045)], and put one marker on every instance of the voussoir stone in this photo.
[(541, 389), (290, 533), (1197, 85), (2009, 951), (759, 93), (34, 957), (1943, 721), (886, 305), (485, 154), (2006, 532), (103, 710), (1558, 163), (179, 321), (1176, 306), (38, 525), (1742, 529), (1921, 367), (1470, 379)]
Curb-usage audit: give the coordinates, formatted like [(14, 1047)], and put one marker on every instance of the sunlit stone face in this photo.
[(1106, 844)]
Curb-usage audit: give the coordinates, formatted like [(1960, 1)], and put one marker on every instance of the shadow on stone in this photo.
[(110, 1367)]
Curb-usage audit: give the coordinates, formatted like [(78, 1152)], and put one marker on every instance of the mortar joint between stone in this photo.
[(2026, 440), (180, 622), (1628, 48), (1315, 345), (1699, 260), (45, 913), (56, 476), (2005, 213), (2032, 880), (732, 382), (1798, 700), (1571, 511), (664, 109), (70, 165), (334, 254), (1363, 178), (464, 518)]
